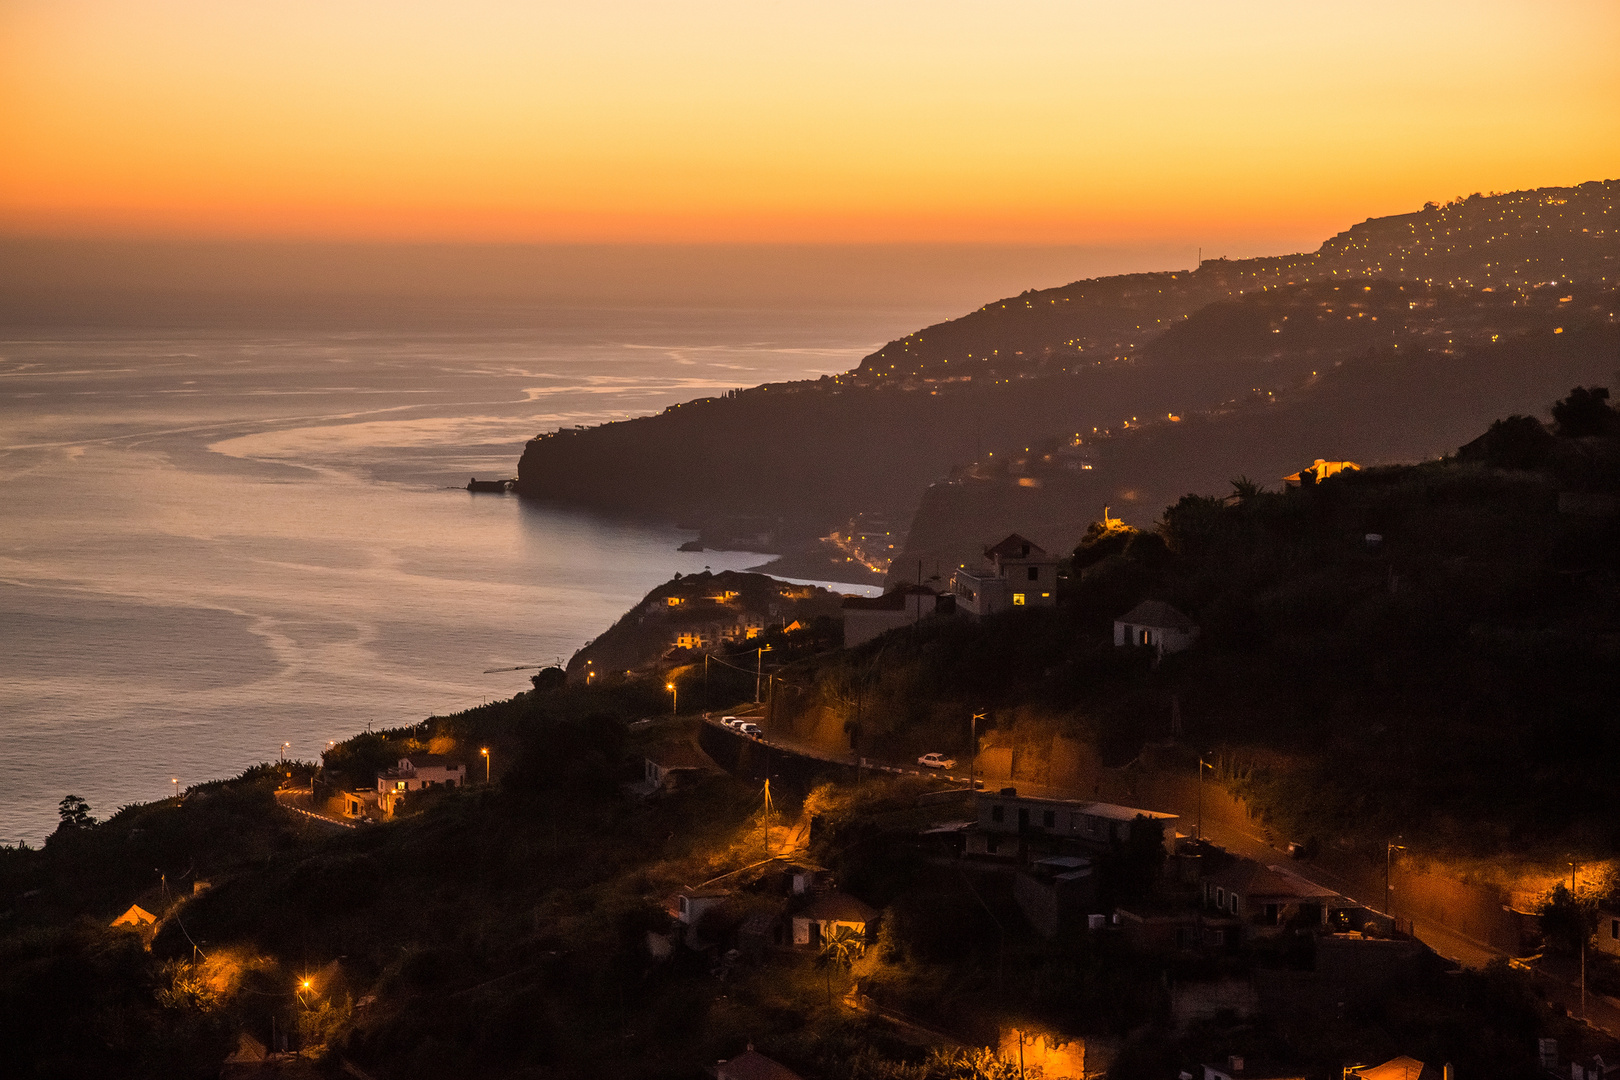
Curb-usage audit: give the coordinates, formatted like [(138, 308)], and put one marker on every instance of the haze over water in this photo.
[(234, 517)]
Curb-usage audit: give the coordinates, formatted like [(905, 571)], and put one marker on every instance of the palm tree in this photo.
[(839, 948), (1244, 488)]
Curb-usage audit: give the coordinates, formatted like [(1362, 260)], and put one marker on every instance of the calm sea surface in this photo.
[(232, 505), (217, 541)]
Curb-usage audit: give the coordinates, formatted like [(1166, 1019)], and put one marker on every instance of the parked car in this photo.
[(936, 761), (730, 721), (753, 731)]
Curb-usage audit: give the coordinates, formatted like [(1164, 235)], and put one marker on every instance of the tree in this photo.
[(839, 948), (549, 678), (1518, 442), (1567, 921), (75, 813), (1244, 488), (1585, 412)]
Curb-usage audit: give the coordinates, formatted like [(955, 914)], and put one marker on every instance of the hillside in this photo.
[(1374, 374), (776, 466), (1454, 680), (1453, 684), (726, 612)]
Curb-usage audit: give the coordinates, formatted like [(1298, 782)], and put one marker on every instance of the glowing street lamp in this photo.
[(485, 752), (175, 780), (1389, 850), (674, 698), (284, 747)]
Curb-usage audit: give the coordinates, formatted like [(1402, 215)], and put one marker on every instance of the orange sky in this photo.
[(1248, 124)]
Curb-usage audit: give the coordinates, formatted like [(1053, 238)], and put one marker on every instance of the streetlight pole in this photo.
[(1580, 917), (485, 752), (284, 747), (759, 667), (973, 748), (1202, 765), (175, 780), (1390, 848), (674, 698)]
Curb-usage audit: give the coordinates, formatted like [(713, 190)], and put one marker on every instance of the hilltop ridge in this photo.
[(775, 467)]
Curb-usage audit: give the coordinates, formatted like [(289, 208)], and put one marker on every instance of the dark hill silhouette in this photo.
[(781, 464)]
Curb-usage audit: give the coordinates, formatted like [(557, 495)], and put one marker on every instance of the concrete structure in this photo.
[(1269, 896), (1056, 892), (822, 917), (414, 773), (688, 907), (665, 766), (867, 617), (1156, 625), (359, 804), (1318, 471), (1608, 931), (1016, 573), (1018, 827)]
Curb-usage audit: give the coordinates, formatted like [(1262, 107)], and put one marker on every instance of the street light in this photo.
[(973, 747), (674, 698), (175, 780), (759, 666), (1389, 850), (1202, 765), (485, 752), (284, 747)]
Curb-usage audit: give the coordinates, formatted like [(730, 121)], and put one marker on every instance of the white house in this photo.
[(1608, 931), (1017, 573), (688, 907), (1157, 625), (825, 914), (414, 773), (1318, 471), (1006, 819), (865, 617), (664, 765)]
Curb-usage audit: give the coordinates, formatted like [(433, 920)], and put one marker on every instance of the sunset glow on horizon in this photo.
[(1242, 123)]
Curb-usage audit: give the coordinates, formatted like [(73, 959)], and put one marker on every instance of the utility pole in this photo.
[(1390, 848), (1582, 918), (973, 749), (759, 668), (1202, 765)]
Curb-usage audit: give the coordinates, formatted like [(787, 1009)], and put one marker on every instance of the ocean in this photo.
[(232, 528)]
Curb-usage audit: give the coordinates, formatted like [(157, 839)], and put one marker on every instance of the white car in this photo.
[(936, 761), (751, 730), (730, 721)]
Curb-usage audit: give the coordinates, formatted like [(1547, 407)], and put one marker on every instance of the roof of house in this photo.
[(893, 600), (430, 761), (1317, 469), (1014, 547), (752, 1065), (1111, 811), (1251, 879), (837, 907), (1401, 1068), (701, 893), (136, 915), (680, 755), (1158, 615)]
